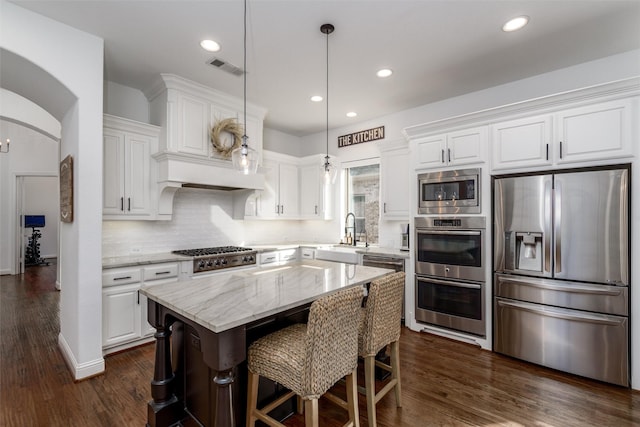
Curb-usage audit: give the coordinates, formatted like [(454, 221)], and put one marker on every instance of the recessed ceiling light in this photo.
[(385, 72), (210, 45), (316, 98), (352, 114), (515, 23)]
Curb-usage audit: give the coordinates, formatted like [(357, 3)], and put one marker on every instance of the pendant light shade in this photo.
[(245, 158), (330, 171)]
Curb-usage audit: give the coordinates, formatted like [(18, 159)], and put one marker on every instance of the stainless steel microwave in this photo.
[(449, 192)]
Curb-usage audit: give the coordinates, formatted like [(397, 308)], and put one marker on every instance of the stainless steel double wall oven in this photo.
[(450, 272)]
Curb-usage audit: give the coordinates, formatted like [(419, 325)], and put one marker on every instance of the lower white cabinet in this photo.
[(278, 256), (394, 182), (124, 308), (307, 253)]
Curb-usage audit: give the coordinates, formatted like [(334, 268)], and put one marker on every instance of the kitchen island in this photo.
[(200, 371)]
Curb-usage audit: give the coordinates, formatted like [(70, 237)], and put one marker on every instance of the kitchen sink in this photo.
[(346, 254)]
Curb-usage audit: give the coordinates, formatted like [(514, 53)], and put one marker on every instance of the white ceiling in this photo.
[(437, 49)]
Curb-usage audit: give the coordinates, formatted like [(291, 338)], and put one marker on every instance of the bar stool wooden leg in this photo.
[(252, 398), (311, 413), (352, 398), (370, 387), (395, 370)]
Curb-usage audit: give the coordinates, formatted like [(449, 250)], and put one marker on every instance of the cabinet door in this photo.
[(466, 146), (288, 191), (193, 125), (430, 152), (120, 314), (594, 132), (311, 188), (136, 175), (113, 166), (267, 205), (522, 143), (394, 180)]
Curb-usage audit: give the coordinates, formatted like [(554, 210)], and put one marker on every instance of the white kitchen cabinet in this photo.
[(522, 143), (311, 192), (279, 199), (585, 134), (124, 308), (394, 181), (278, 256), (594, 132), (127, 185), (455, 148), (307, 253)]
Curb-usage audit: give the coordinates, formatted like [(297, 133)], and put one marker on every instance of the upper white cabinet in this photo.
[(588, 134), (521, 143), (313, 203), (455, 148), (279, 199), (127, 184), (594, 132), (395, 180), (193, 125)]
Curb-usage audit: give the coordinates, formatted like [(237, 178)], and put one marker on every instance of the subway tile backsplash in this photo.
[(202, 218)]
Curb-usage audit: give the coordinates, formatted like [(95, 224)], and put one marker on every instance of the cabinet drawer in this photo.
[(306, 253), (121, 276), (160, 271), (268, 257)]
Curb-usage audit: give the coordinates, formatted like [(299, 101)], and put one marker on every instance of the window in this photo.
[(362, 198)]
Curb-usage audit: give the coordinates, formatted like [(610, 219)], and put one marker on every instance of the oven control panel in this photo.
[(219, 262)]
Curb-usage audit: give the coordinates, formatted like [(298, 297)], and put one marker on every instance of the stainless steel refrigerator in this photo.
[(561, 270)]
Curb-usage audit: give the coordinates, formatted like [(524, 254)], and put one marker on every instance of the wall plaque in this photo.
[(361, 136), (66, 189)]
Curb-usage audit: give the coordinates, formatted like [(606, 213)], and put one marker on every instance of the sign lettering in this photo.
[(361, 136)]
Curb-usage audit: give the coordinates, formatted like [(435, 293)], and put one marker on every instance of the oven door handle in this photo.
[(374, 262), (450, 232), (450, 283)]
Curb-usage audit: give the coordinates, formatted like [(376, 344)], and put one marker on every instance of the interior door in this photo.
[(591, 216)]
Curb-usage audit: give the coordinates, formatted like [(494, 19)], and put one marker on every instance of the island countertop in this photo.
[(227, 300)]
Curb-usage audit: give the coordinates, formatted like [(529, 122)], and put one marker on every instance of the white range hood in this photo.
[(178, 170)]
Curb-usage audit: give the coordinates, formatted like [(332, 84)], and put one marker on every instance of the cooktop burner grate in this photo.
[(216, 250)]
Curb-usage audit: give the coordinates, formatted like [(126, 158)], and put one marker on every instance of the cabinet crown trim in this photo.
[(569, 99)]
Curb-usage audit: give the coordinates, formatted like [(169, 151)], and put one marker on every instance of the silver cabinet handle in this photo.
[(316, 209), (449, 154), (547, 151), (122, 204), (129, 204), (560, 149), (443, 155), (162, 272), (122, 278), (384, 207)]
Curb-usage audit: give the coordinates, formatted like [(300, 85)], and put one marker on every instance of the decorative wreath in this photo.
[(228, 125)]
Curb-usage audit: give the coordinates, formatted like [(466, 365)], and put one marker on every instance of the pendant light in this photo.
[(245, 158), (329, 170)]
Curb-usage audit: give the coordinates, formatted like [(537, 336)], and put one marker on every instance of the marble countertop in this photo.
[(131, 260), (224, 301)]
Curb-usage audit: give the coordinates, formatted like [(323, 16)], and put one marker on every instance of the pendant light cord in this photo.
[(244, 137), (327, 162)]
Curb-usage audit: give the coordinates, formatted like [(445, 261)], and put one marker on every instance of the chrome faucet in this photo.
[(346, 226)]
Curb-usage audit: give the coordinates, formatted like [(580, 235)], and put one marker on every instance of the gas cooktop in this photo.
[(216, 250), (219, 257)]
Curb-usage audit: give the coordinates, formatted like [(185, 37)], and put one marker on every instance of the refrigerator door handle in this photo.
[(560, 313), (547, 225), (557, 212)]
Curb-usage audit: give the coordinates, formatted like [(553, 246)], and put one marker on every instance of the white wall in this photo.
[(31, 154), (125, 101), (64, 76)]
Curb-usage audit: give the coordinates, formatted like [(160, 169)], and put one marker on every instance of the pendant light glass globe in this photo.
[(245, 158)]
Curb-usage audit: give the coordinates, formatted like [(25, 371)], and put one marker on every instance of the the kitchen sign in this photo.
[(360, 137)]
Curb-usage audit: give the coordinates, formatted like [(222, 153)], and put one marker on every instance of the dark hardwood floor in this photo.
[(444, 383)]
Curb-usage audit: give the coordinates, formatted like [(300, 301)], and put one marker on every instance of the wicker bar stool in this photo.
[(380, 326), (309, 359)]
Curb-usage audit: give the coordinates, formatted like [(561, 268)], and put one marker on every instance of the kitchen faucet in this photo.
[(346, 226)]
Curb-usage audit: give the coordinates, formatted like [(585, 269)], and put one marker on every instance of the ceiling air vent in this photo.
[(226, 66)]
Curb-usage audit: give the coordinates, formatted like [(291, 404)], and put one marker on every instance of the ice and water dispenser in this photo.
[(523, 251)]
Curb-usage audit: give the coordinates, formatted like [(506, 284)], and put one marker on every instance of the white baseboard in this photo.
[(79, 371), (5, 271)]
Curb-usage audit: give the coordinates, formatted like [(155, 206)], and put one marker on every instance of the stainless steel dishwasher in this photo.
[(385, 261)]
